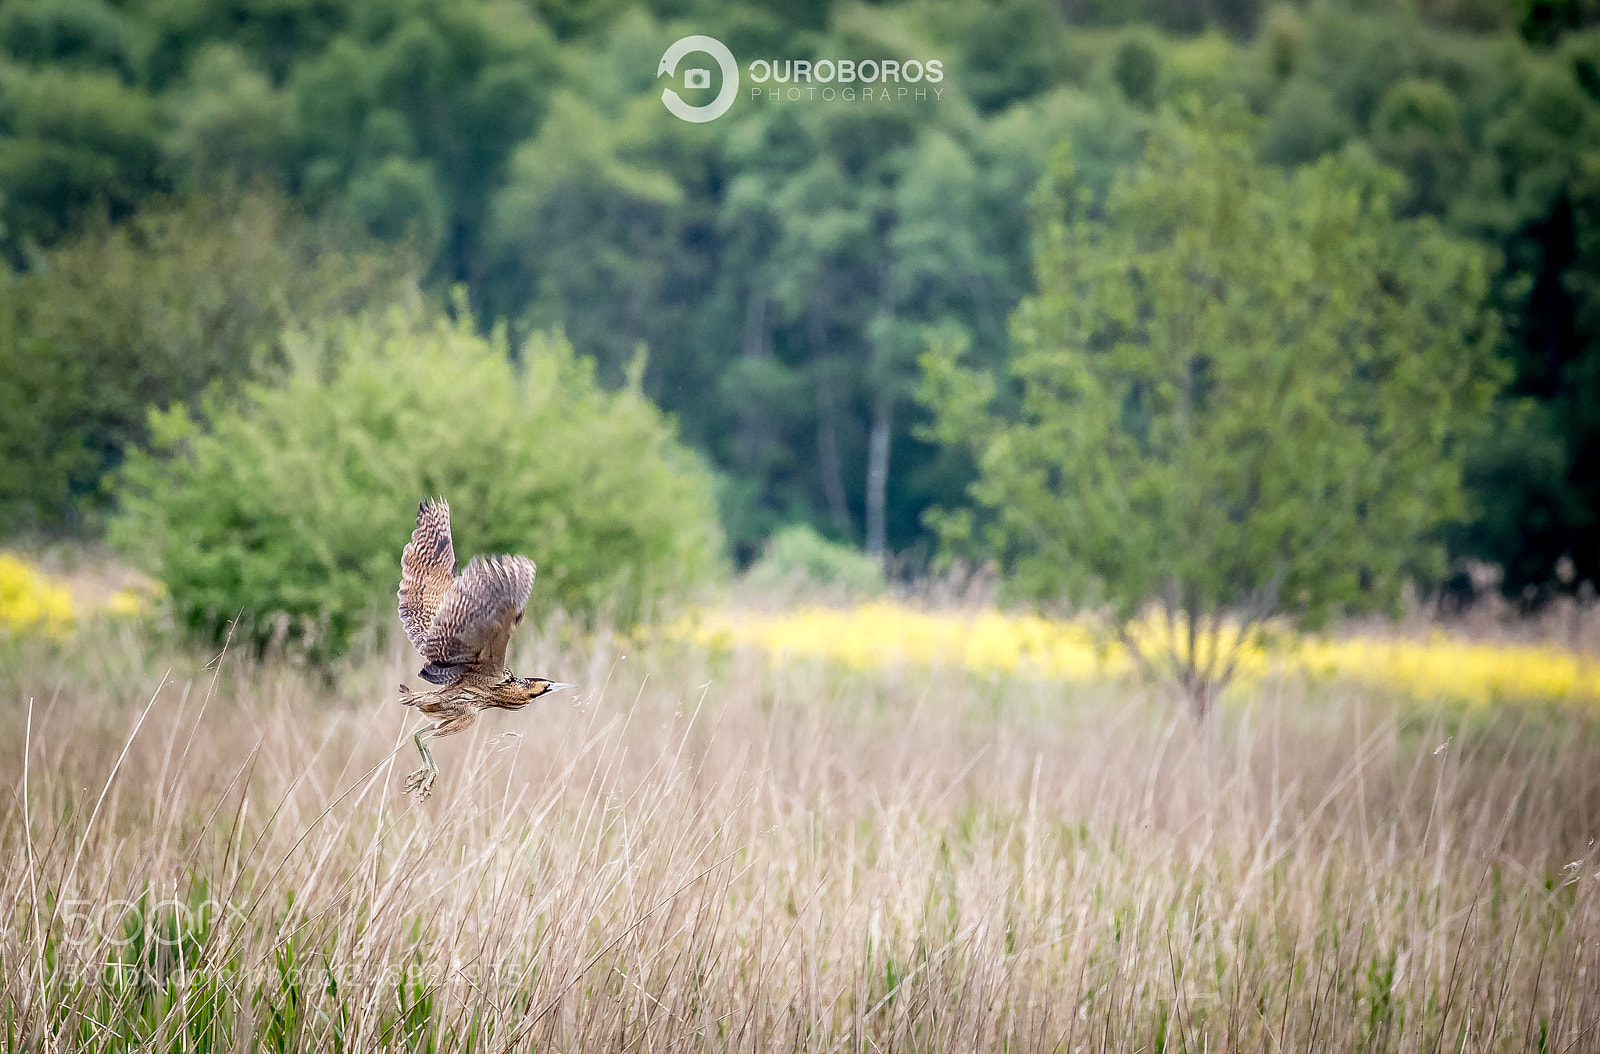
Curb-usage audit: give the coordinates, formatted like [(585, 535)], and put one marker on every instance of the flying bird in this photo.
[(461, 625)]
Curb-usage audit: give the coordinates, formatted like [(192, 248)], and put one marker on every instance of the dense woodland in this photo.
[(181, 180)]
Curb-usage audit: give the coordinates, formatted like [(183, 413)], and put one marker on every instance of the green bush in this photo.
[(152, 313), (799, 557), (290, 504)]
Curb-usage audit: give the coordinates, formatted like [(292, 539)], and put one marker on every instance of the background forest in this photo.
[(180, 180)]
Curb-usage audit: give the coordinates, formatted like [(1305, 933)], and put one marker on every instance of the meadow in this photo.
[(712, 845), (1250, 310)]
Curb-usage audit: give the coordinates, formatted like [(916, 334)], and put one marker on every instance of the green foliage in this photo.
[(783, 262), (1011, 50), (1535, 193), (400, 200), (1418, 130), (291, 503), (86, 34), (1241, 391), (583, 225), (799, 557), (151, 313), (406, 119), (229, 125), (1304, 124), (74, 144), (1136, 69)]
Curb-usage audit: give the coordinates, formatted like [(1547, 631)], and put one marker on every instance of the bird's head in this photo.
[(531, 688)]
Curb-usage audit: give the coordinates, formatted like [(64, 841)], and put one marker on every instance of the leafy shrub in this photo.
[(800, 557), (290, 504), (151, 313)]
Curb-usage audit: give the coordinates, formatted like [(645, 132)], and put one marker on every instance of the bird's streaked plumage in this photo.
[(462, 626), (427, 570)]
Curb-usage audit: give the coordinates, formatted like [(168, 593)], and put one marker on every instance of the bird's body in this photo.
[(461, 624), (457, 705)]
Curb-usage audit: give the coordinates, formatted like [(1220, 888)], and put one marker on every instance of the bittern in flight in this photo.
[(461, 625)]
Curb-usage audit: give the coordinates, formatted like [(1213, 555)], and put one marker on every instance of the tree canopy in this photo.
[(1242, 393), (785, 263)]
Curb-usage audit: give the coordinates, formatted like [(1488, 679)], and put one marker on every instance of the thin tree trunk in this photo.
[(750, 439), (828, 460), (878, 473)]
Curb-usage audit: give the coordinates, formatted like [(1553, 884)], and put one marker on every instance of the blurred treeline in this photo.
[(181, 179)]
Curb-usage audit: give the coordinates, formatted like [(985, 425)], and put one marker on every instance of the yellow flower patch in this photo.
[(34, 603), (991, 642), (31, 603)]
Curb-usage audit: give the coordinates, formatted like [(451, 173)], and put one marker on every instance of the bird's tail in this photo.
[(407, 697)]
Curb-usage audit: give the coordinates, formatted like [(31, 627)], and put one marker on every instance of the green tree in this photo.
[(74, 145), (407, 119), (289, 504), (151, 313), (1009, 50), (229, 125), (1534, 192), (1242, 396), (584, 230), (86, 34), (1417, 129), (1497, 140), (865, 226)]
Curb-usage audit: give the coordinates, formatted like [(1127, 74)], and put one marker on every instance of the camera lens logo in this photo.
[(699, 78)]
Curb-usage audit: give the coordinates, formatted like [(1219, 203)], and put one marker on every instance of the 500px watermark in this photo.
[(269, 974), (120, 922), (501, 982), (878, 80)]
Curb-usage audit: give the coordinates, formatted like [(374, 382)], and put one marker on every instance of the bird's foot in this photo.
[(421, 781)]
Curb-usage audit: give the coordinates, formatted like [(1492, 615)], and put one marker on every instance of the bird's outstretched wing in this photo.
[(427, 570), (475, 620)]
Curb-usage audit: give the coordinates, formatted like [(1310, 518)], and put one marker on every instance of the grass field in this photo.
[(706, 849)]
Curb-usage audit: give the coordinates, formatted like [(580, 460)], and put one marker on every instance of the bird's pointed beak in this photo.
[(556, 686)]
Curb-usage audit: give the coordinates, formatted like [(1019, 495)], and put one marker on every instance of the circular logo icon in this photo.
[(699, 78)]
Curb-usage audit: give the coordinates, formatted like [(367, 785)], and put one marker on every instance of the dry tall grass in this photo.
[(708, 853)]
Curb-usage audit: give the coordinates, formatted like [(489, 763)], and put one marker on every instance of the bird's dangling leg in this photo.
[(420, 782)]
